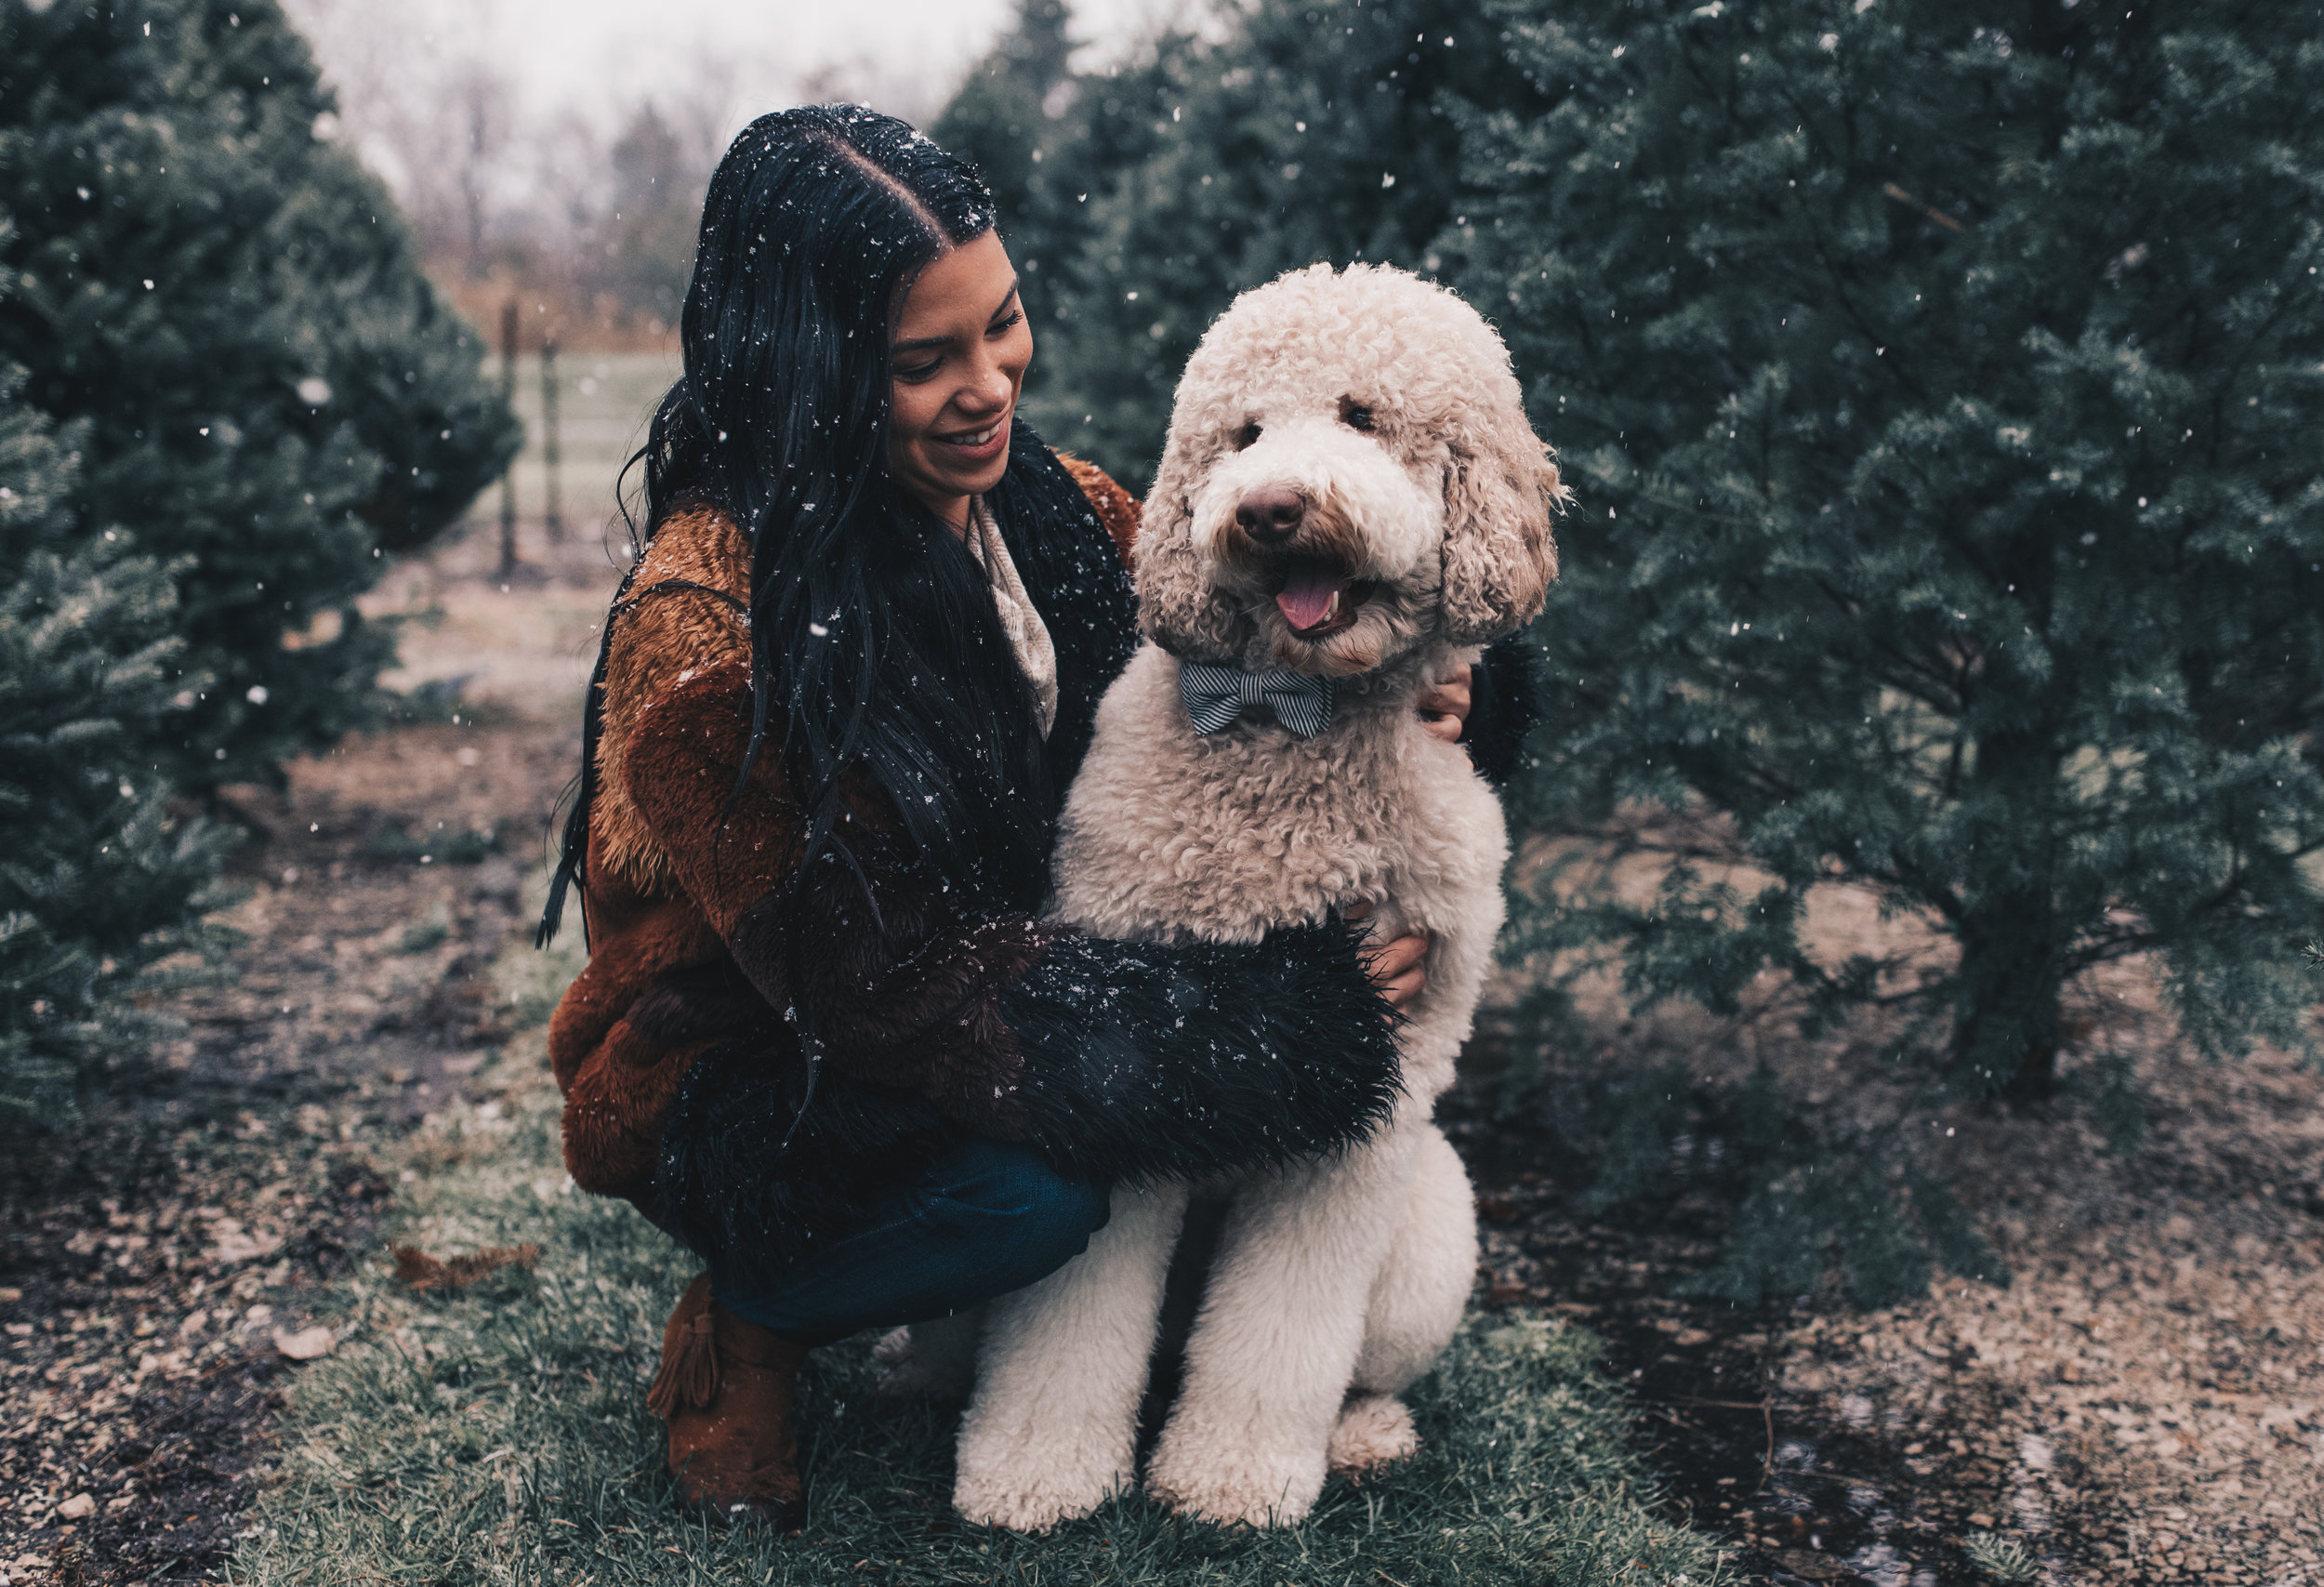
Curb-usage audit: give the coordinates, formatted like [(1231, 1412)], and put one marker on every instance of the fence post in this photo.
[(555, 520), (509, 480)]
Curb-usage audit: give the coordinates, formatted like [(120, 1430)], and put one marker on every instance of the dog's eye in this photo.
[(1246, 436), (1354, 415)]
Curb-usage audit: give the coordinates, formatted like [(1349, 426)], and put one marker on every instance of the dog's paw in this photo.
[(1374, 1431), (1027, 1503), (1030, 1471), (899, 1373), (906, 1372), (1235, 1487)]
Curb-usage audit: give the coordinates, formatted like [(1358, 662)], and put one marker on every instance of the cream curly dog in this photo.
[(1350, 492)]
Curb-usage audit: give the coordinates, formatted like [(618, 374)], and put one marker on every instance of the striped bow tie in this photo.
[(1214, 696)]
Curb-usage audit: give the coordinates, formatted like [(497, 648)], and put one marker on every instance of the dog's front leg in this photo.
[(1276, 1341), (1052, 1432)]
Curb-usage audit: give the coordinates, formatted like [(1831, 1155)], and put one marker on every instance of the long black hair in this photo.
[(874, 638)]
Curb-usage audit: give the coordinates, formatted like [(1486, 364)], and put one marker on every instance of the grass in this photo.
[(499, 1435)]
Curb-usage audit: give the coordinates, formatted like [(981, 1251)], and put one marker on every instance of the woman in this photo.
[(823, 1038)]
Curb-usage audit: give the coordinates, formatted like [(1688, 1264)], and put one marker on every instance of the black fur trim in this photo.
[(727, 1188), (1504, 709), (1140, 1062), (1145, 1063)]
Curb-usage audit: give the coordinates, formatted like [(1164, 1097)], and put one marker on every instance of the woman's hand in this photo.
[(1445, 706), (1399, 968)]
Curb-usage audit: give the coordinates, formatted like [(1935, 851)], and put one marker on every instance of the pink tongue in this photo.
[(1306, 598)]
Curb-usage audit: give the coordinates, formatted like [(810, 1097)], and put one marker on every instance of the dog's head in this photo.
[(1349, 476)]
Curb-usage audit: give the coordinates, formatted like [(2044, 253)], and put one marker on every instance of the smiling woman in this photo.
[(823, 1038)]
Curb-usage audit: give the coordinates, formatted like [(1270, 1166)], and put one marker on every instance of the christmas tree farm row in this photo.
[(1939, 385), (226, 394)]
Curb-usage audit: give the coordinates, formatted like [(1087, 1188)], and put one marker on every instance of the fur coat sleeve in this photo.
[(1505, 707)]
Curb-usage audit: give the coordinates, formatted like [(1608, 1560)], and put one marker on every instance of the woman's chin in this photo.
[(964, 478)]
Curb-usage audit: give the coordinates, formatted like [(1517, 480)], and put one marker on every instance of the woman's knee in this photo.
[(1037, 1217)]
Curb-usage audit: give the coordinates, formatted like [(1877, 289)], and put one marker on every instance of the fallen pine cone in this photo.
[(422, 1271)]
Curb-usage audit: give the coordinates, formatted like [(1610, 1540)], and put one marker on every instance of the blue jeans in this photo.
[(981, 1220)]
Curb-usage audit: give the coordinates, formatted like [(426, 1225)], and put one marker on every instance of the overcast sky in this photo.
[(574, 48), (601, 56)]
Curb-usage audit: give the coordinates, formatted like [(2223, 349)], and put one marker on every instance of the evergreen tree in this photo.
[(1042, 137), (1012, 119), (99, 877), (1309, 131), (1939, 385), (268, 392)]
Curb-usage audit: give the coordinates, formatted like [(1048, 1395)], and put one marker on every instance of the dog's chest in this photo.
[(1170, 835)]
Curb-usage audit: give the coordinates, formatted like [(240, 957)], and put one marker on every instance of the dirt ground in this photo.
[(152, 1249), (2143, 1403)]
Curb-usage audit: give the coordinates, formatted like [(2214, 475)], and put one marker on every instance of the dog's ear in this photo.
[(1499, 559), (1178, 608)]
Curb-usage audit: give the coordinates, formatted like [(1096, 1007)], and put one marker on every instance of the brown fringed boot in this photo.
[(726, 1389)]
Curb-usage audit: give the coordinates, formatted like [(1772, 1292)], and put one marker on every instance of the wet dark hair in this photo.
[(874, 641)]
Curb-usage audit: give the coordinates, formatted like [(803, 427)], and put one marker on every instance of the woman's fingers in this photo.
[(1400, 991), (1399, 969), (1444, 705)]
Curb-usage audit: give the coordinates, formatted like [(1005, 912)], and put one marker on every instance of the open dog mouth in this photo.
[(1319, 598)]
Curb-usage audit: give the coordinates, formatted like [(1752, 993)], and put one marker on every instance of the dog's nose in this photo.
[(1270, 514)]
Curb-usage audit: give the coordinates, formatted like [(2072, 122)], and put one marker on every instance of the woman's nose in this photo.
[(989, 392)]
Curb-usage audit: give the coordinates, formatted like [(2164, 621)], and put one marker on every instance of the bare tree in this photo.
[(481, 95)]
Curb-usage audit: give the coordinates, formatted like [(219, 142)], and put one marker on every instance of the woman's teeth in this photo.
[(979, 438)]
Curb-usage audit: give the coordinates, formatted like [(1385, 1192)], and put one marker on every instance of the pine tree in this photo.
[(1009, 119), (1042, 137), (270, 394), (1939, 385), (1310, 131), (99, 875)]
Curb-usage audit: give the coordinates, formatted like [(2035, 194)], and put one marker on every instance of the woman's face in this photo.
[(958, 360)]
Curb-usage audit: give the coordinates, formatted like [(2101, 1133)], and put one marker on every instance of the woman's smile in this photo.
[(978, 445)]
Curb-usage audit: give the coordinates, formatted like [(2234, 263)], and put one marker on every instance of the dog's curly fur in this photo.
[(1389, 407)]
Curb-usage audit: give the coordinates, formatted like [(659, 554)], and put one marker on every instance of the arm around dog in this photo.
[(1111, 1058), (1114, 1059)]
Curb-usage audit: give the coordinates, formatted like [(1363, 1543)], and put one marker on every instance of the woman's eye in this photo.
[(1244, 436), (1001, 328), (1354, 415), (918, 371)]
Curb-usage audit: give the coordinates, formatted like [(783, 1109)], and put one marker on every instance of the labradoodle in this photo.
[(1350, 502)]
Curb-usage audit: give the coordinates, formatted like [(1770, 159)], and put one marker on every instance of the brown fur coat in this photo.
[(683, 956)]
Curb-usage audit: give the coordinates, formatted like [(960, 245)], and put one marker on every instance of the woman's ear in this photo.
[(1177, 607), (1499, 558)]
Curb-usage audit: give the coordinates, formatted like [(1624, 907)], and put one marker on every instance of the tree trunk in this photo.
[(2005, 1026), (2005, 1030)]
